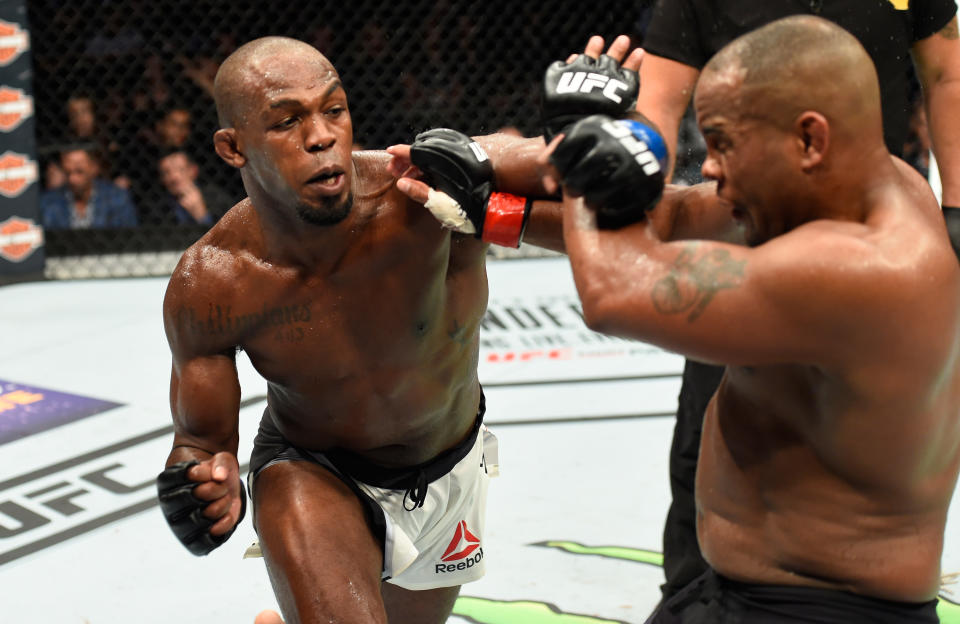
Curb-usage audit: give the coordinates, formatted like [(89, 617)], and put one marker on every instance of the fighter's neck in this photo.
[(288, 240), (850, 190)]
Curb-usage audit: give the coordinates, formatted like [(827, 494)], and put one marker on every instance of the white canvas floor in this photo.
[(574, 520)]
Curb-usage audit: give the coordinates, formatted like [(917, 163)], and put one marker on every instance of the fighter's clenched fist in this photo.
[(203, 502)]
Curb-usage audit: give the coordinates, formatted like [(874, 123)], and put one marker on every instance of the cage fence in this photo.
[(131, 83)]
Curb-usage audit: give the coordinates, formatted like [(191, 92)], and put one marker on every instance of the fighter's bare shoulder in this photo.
[(220, 256), (213, 273), (371, 168), (376, 186), (862, 275)]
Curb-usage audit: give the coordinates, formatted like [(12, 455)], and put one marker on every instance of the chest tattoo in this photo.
[(222, 320)]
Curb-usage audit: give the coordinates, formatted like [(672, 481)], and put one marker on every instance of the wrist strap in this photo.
[(505, 220)]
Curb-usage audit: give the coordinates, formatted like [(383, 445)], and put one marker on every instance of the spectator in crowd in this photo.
[(187, 201), (53, 176), (86, 200), (173, 127), (170, 129), (81, 117), (681, 37), (82, 125)]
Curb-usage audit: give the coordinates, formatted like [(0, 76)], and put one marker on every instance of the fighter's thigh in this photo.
[(322, 558), (429, 606)]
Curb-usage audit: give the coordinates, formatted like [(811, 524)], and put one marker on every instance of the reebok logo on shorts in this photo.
[(460, 550)]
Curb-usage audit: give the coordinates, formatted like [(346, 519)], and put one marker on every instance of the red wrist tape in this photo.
[(505, 220)]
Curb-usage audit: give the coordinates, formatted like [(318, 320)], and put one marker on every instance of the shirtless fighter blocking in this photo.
[(831, 449)]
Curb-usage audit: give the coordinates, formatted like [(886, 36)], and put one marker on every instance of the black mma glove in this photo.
[(184, 511), (457, 166), (952, 216), (617, 165), (586, 86)]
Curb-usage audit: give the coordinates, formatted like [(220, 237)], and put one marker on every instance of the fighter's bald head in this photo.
[(250, 66), (799, 63)]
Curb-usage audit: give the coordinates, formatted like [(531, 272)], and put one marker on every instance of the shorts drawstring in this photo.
[(418, 493)]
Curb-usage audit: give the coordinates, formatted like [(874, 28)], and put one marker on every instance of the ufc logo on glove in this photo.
[(585, 82)]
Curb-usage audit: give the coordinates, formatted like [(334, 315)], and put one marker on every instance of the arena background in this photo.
[(473, 66), (585, 420), (407, 66)]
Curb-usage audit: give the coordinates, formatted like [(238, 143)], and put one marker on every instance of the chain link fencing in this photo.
[(131, 83)]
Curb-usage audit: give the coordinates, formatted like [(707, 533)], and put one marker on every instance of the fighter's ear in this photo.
[(226, 142), (813, 132)]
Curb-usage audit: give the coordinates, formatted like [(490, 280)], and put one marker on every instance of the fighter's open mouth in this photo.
[(327, 177)]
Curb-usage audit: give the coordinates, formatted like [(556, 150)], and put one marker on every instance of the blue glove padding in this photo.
[(586, 86), (617, 165), (184, 511)]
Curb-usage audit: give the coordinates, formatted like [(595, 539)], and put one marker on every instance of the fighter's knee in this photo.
[(268, 616)]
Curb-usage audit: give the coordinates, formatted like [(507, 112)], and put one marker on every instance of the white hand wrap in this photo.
[(448, 212)]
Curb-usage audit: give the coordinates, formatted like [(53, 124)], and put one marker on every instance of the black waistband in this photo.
[(821, 605)]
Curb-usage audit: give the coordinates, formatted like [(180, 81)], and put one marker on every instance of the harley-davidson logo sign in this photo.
[(17, 172), (13, 42), (15, 106), (19, 238)]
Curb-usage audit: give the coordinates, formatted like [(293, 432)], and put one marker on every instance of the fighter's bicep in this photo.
[(937, 57), (725, 304)]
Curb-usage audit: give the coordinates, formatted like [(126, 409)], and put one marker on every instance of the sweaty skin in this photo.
[(831, 450), (371, 365), (359, 310)]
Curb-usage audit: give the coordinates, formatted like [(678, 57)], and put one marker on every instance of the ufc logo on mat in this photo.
[(585, 82), (640, 151)]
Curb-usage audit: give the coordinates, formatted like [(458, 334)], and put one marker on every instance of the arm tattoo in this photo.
[(693, 281), (950, 31)]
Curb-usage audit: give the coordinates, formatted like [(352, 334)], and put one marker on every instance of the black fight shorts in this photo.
[(713, 599)]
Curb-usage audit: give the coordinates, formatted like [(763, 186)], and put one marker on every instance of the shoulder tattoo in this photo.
[(694, 279)]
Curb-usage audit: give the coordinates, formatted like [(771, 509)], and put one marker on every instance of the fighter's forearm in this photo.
[(545, 226), (942, 101), (205, 410), (694, 212), (515, 165), (517, 171), (195, 441), (937, 62)]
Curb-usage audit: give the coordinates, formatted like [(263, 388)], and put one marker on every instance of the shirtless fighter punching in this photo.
[(362, 313)]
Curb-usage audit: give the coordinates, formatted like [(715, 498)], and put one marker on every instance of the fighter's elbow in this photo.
[(600, 312)]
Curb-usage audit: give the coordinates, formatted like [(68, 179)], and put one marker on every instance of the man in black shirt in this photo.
[(682, 35)]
